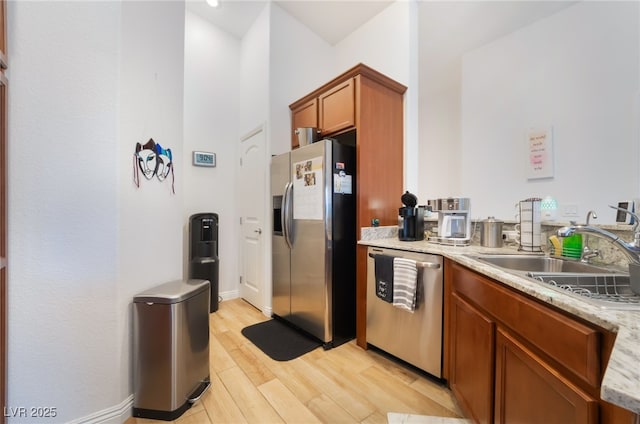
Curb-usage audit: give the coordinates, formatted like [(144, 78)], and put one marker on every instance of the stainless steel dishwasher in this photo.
[(415, 337)]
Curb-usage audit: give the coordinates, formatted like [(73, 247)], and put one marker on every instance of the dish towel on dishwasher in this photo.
[(405, 283), (384, 277)]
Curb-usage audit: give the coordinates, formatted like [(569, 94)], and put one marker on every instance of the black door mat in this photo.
[(279, 341)]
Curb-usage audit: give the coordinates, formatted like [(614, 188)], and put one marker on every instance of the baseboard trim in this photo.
[(235, 294), (268, 311), (115, 415), (228, 295), (118, 414)]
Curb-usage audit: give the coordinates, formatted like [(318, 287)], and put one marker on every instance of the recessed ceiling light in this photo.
[(213, 3)]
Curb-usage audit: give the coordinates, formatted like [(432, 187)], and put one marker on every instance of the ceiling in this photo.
[(448, 28), (332, 20), (234, 17)]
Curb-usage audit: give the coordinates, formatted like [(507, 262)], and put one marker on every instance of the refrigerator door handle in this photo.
[(286, 216), (283, 215)]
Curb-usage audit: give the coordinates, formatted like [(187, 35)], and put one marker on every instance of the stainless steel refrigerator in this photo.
[(313, 192)]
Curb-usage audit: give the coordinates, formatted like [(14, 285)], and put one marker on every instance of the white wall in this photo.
[(254, 74), (300, 62), (412, 164), (381, 43), (439, 103), (87, 81), (439, 154), (388, 44), (576, 71), (63, 207), (211, 111), (151, 73)]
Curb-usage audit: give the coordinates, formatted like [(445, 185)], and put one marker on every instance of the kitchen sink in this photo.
[(538, 263), (599, 286), (605, 290)]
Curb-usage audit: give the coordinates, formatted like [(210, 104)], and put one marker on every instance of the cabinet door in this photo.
[(337, 108), (472, 359), (569, 343), (305, 115), (529, 391)]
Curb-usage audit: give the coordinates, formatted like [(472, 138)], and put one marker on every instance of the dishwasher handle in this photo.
[(419, 264), (430, 265)]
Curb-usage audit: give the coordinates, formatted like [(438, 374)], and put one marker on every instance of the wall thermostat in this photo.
[(622, 217), (204, 159)]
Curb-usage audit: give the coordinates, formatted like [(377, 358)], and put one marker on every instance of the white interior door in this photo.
[(253, 186)]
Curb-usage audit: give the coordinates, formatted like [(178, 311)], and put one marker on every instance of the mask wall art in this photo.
[(153, 161)]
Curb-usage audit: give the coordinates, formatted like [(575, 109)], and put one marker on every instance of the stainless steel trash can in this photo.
[(170, 348)]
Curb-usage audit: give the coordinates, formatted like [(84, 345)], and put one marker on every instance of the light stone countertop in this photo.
[(621, 381)]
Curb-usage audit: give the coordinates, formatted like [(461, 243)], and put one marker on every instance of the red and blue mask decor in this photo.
[(153, 161)]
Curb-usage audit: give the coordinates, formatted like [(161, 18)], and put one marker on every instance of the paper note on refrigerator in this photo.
[(342, 183), (308, 187)]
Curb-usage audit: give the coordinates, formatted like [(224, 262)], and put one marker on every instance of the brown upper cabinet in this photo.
[(370, 104), (336, 108), (305, 115)]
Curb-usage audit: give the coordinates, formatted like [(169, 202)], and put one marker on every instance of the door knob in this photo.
[(259, 231)]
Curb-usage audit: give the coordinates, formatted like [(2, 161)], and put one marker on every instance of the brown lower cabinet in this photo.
[(527, 389), (472, 353), (513, 359)]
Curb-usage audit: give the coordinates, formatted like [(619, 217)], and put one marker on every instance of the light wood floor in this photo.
[(346, 384)]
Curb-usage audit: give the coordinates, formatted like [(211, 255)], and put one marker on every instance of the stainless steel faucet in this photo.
[(630, 249), (587, 252)]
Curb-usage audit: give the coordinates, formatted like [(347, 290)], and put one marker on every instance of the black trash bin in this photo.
[(203, 252)]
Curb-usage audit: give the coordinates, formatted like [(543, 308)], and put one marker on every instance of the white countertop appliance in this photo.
[(454, 221)]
